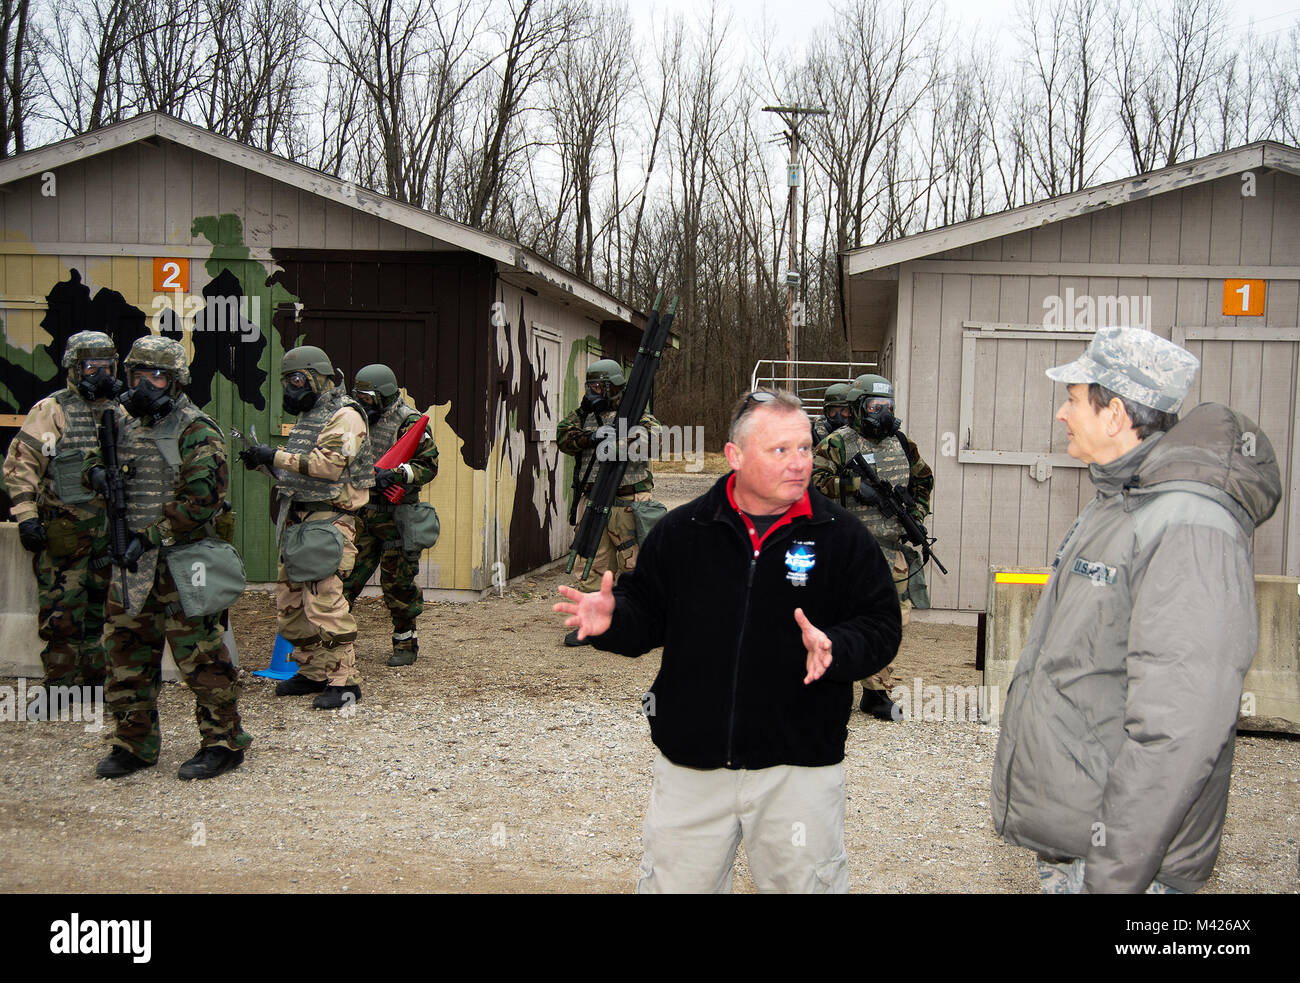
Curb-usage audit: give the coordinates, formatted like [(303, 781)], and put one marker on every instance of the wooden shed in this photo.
[(154, 225), (966, 318)]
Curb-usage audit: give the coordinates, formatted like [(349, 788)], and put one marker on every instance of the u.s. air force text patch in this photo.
[(1098, 573)]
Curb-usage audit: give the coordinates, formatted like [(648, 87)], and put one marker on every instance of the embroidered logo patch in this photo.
[(800, 558), (1098, 573)]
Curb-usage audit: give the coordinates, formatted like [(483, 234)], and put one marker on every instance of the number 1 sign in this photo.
[(1243, 298)]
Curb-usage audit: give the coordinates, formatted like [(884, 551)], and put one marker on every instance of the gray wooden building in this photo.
[(966, 318)]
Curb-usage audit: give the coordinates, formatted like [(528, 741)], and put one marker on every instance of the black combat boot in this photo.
[(210, 762), (406, 649), (333, 697), (121, 762), (877, 703), (571, 639), (299, 685)]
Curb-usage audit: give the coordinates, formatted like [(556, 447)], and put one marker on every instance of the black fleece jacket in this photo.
[(730, 690)]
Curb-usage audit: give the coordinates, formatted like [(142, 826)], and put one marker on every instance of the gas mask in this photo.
[(146, 401), (372, 403), (879, 421), (100, 384), (298, 399)]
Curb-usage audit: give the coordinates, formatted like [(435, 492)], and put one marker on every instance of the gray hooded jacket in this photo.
[(1117, 740)]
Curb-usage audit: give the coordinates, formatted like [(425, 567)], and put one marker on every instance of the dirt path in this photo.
[(503, 761)]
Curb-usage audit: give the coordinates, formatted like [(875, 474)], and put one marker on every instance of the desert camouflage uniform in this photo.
[(137, 625), (618, 546), (72, 571), (897, 466), (378, 540), (328, 468)]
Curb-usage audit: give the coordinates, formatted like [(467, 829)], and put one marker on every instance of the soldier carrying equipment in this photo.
[(895, 503)]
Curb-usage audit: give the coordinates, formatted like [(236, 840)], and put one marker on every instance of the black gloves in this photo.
[(867, 496), (385, 477), (259, 455), (98, 478), (32, 535), (135, 548)]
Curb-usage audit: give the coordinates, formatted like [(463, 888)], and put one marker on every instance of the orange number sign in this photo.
[(171, 274), (1243, 298)]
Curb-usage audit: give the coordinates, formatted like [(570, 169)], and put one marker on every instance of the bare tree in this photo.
[(1062, 70), (413, 59), (17, 53), (1161, 64)]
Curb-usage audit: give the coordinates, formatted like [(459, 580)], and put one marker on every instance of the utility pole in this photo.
[(790, 117)]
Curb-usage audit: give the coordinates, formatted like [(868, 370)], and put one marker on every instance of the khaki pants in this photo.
[(618, 546), (790, 819), (317, 619), (884, 680)]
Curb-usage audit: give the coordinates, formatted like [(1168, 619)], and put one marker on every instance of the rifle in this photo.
[(115, 497), (631, 408), (895, 503)]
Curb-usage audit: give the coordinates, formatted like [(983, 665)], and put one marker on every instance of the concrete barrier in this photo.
[(1271, 692), (20, 644)]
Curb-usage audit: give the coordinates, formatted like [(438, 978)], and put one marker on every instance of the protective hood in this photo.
[(1221, 454)]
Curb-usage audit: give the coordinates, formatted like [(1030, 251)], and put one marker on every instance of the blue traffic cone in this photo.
[(281, 667)]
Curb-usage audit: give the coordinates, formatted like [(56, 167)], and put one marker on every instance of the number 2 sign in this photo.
[(171, 274), (1243, 298)]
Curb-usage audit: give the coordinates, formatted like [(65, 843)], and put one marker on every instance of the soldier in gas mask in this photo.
[(61, 522), (876, 432), (177, 575), (589, 433), (835, 411), (379, 534), (324, 473)]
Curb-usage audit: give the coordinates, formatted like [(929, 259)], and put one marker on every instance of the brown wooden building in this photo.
[(153, 225)]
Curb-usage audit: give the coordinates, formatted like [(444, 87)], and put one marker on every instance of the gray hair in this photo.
[(742, 413), (1146, 420)]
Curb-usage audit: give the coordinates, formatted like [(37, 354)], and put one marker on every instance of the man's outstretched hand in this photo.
[(817, 644), (591, 613)]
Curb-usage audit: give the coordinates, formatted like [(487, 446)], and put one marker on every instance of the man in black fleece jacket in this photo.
[(769, 601)]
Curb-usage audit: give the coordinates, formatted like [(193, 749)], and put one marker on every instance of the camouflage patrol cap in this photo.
[(837, 394), (1136, 364), (157, 352), (88, 344)]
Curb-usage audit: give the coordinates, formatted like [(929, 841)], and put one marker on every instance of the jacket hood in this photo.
[(1221, 454)]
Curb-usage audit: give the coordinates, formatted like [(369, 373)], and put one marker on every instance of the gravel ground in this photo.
[(504, 762)]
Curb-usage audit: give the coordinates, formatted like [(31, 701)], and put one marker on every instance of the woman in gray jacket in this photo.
[(1116, 744)]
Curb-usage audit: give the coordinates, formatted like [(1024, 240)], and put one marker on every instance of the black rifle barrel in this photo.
[(631, 408), (115, 497)]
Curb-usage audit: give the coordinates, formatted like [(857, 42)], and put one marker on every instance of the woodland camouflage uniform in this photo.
[(193, 496), (379, 542)]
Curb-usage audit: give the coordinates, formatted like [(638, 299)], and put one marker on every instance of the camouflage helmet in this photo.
[(606, 370), (837, 394), (310, 360), (156, 352), (378, 379), (88, 344)]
